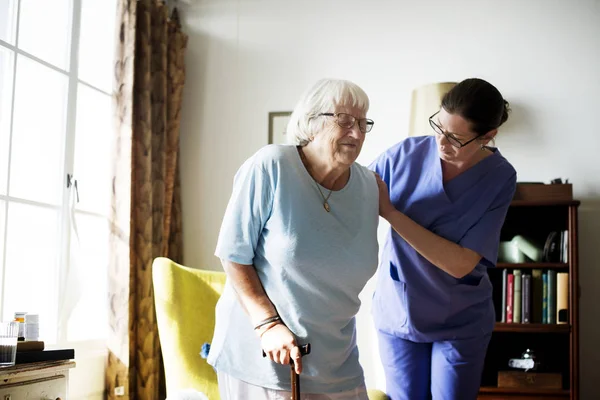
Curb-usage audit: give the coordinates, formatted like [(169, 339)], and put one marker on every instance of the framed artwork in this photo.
[(277, 125)]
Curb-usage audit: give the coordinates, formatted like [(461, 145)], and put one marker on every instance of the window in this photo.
[(56, 69)]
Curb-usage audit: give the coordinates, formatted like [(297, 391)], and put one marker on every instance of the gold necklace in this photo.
[(325, 203), (325, 199)]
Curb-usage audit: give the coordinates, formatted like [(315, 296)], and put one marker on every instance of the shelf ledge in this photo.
[(535, 391), (533, 265), (532, 328), (550, 202)]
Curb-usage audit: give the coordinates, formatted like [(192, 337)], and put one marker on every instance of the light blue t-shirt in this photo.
[(312, 264)]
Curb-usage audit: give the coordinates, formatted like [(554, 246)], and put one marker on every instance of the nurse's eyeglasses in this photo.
[(347, 121), (453, 141)]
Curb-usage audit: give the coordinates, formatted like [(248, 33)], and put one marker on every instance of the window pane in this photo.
[(31, 259), (6, 86), (91, 258), (8, 18), (97, 43), (38, 132), (92, 150), (44, 30)]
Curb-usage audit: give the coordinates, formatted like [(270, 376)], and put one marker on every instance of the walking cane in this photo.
[(294, 377)]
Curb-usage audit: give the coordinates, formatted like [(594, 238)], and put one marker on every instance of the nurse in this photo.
[(446, 203)]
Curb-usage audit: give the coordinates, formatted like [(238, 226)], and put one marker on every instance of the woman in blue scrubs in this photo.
[(446, 203)]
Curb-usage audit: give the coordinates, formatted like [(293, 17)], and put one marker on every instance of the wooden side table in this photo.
[(48, 380)]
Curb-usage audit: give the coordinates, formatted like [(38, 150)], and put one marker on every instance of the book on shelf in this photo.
[(551, 296), (539, 297), (509, 298), (525, 302), (503, 307), (562, 298), (544, 298), (517, 296), (536, 296), (32, 356), (565, 247)]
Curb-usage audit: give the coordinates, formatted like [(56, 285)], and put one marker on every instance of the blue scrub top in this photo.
[(414, 299)]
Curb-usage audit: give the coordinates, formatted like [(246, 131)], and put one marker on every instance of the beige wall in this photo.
[(248, 57)]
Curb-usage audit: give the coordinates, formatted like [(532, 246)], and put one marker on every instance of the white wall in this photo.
[(248, 57)]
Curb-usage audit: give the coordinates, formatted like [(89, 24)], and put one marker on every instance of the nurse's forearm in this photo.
[(444, 254), (250, 291)]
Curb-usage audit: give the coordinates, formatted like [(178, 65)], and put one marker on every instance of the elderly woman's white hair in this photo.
[(321, 98)]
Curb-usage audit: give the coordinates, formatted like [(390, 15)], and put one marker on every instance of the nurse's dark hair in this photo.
[(479, 102)]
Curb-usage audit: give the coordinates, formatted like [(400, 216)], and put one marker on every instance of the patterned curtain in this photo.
[(146, 206)]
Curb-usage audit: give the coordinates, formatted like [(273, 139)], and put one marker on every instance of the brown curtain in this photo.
[(146, 205)]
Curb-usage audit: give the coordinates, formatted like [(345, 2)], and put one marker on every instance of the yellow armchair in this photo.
[(185, 300)]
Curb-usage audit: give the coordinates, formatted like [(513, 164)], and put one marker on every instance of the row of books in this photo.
[(541, 297)]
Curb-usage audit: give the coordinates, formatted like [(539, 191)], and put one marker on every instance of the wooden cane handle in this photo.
[(294, 377)]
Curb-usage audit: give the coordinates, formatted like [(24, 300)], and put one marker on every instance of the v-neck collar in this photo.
[(460, 183)]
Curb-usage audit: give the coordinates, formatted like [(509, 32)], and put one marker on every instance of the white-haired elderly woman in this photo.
[(298, 243)]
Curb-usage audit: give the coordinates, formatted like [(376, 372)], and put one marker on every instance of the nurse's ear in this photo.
[(488, 137)]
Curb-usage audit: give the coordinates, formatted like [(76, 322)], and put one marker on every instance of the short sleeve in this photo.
[(484, 237), (381, 165), (247, 212)]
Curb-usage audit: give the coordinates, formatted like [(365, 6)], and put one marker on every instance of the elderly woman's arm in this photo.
[(249, 291), (448, 256), (277, 340)]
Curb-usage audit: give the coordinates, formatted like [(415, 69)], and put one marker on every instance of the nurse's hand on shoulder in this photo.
[(385, 205), (279, 344)]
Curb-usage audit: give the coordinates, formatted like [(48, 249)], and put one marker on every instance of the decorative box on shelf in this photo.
[(522, 379), (534, 191)]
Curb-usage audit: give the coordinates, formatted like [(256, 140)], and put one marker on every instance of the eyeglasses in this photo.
[(453, 140), (347, 121)]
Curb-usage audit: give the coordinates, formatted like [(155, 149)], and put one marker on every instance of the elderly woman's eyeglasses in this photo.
[(347, 121), (453, 141)]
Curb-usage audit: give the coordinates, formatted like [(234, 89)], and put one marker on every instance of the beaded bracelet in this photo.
[(267, 321)]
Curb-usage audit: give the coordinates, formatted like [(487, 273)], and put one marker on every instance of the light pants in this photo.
[(446, 370), (231, 388)]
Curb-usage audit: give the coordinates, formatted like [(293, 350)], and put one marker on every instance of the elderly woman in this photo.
[(298, 243)]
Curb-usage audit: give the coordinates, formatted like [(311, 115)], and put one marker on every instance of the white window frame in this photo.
[(64, 229), (88, 378)]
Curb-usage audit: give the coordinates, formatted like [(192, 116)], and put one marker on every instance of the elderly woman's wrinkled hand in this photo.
[(279, 344), (385, 204)]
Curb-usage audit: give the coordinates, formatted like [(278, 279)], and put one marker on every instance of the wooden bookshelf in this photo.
[(555, 345)]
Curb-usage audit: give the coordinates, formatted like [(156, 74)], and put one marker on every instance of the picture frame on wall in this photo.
[(278, 121)]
